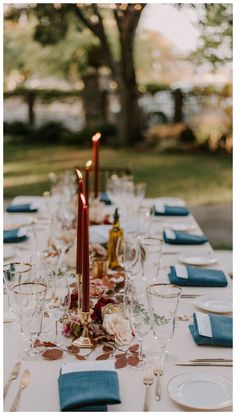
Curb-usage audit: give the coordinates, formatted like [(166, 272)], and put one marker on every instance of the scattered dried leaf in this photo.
[(108, 348), (117, 356), (52, 354), (134, 348), (133, 360), (73, 349), (121, 362), (103, 356), (80, 357), (38, 343)]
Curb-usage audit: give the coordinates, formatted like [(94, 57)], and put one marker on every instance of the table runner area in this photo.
[(41, 395)]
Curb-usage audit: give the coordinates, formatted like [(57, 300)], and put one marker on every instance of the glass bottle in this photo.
[(115, 234)]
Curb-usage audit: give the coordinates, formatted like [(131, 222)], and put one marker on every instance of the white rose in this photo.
[(118, 326)]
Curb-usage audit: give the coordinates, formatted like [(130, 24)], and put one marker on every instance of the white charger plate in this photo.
[(197, 260), (201, 390), (215, 303), (8, 252)]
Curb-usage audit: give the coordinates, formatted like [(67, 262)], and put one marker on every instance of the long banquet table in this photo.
[(41, 395)]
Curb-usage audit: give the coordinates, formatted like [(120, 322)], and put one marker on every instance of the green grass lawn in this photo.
[(198, 178)]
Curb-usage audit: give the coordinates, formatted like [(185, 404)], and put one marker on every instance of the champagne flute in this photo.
[(151, 256)]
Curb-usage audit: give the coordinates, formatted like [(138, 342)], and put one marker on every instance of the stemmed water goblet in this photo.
[(27, 301), (140, 318), (163, 300), (58, 299), (151, 251), (128, 254), (13, 273)]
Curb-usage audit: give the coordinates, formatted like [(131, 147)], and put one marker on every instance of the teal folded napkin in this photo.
[(24, 207), (183, 238), (197, 277), (166, 210), (105, 198), (212, 330), (14, 235), (91, 390)]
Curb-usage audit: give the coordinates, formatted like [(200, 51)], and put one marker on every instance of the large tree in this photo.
[(53, 24)]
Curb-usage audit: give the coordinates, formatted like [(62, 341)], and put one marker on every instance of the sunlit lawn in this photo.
[(198, 178)]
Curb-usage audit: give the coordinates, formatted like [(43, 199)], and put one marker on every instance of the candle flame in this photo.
[(79, 174), (96, 137), (88, 164)]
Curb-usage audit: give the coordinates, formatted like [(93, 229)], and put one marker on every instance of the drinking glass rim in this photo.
[(154, 238), (159, 294), (29, 283), (17, 263)]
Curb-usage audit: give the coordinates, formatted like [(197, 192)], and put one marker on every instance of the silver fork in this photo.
[(148, 381), (158, 372)]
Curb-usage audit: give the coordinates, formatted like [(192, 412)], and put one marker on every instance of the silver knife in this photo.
[(23, 384), (219, 359), (223, 364), (14, 373)]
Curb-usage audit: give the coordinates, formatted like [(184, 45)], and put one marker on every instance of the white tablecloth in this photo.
[(42, 391)]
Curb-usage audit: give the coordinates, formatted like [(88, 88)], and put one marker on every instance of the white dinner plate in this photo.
[(170, 201), (8, 252), (215, 303), (197, 260), (201, 390)]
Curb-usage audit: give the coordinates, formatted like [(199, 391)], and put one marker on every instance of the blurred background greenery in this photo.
[(163, 108)]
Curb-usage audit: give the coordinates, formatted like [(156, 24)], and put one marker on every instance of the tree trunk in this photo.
[(94, 101), (130, 114)]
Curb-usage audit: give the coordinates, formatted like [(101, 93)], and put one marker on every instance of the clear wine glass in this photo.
[(128, 254), (163, 302), (13, 273), (27, 301), (140, 318), (151, 256), (58, 298)]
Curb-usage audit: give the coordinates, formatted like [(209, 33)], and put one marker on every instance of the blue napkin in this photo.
[(13, 236), (104, 198), (171, 211), (221, 328), (88, 391), (24, 207), (199, 277), (184, 238)]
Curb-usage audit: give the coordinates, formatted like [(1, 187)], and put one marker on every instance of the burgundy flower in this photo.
[(97, 309)]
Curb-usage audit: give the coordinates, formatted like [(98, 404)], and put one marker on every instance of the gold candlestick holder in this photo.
[(84, 340), (79, 285)]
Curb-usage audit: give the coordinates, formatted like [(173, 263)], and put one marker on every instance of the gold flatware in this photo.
[(220, 364), (14, 373), (158, 372), (148, 381), (23, 384)]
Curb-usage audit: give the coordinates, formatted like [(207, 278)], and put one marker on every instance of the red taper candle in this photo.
[(95, 140), (87, 170), (79, 246), (85, 273)]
